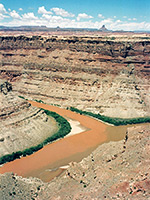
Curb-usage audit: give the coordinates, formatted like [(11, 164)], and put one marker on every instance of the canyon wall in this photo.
[(21, 125), (104, 75)]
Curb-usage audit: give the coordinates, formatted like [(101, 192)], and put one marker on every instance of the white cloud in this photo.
[(42, 10), (3, 16), (115, 17), (2, 9), (83, 16), (101, 16), (3, 12), (118, 21), (29, 16), (20, 9), (15, 15), (107, 21), (62, 12), (53, 18), (131, 26), (46, 16), (54, 21), (130, 19)]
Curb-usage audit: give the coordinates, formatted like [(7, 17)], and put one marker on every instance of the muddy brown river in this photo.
[(47, 163)]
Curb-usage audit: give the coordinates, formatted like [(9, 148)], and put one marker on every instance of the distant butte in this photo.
[(103, 28)]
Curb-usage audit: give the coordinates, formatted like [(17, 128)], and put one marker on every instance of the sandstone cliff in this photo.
[(99, 74), (21, 126)]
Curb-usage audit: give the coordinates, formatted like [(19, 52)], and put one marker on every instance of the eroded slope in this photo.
[(98, 74), (22, 126)]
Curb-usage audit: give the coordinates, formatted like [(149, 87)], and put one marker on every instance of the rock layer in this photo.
[(22, 126), (99, 74)]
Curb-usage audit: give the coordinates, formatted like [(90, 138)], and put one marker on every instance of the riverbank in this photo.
[(116, 121), (115, 170), (63, 129), (75, 148), (71, 148), (113, 120)]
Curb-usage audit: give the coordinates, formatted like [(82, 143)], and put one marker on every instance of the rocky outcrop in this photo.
[(18, 188), (22, 126), (104, 75), (5, 87), (103, 28), (115, 170)]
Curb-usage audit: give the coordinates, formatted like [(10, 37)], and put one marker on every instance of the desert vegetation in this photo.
[(113, 120), (64, 129)]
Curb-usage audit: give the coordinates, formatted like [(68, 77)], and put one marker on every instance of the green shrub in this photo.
[(39, 101), (64, 129), (113, 38), (113, 120), (21, 97)]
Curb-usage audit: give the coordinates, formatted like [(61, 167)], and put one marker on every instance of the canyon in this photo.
[(106, 75), (101, 73)]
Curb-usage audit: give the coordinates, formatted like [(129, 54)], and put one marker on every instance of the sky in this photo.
[(128, 15)]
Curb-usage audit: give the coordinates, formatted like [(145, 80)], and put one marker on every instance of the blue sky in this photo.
[(115, 14)]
